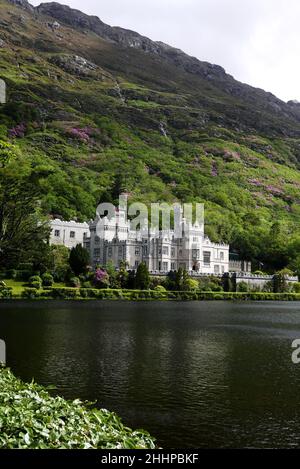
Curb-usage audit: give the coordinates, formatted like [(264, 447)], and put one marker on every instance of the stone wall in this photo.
[(254, 280), (239, 266)]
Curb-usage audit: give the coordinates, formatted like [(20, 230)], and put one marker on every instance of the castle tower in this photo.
[(2, 91)]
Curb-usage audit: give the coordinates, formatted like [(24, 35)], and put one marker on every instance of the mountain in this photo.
[(214, 74), (107, 109)]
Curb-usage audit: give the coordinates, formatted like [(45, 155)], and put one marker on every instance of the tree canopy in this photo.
[(23, 229)]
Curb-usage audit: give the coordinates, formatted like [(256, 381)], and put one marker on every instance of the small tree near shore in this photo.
[(280, 282), (142, 279), (79, 260)]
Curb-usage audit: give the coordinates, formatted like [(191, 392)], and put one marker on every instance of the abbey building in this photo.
[(113, 241)]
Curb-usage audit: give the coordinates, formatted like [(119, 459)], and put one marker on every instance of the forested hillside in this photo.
[(94, 110)]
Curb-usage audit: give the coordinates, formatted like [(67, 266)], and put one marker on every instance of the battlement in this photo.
[(69, 224)]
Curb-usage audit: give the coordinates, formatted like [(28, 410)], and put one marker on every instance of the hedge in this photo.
[(68, 293), (32, 419), (6, 292), (22, 275)]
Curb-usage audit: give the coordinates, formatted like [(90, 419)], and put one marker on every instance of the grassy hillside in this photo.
[(125, 119)]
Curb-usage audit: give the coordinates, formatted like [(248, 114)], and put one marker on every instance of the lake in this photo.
[(195, 374)]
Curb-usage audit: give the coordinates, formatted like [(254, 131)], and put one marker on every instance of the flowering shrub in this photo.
[(269, 188), (101, 279), (214, 170), (83, 135), (274, 190), (255, 182), (18, 131)]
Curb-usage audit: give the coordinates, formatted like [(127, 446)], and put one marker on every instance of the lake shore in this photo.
[(88, 294), (193, 374)]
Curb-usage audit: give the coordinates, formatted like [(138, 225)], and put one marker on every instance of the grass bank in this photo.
[(17, 292), (31, 419)]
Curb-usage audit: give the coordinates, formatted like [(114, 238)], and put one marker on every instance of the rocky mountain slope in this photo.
[(214, 74), (106, 108)]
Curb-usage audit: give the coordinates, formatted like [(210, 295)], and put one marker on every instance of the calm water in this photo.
[(194, 374)]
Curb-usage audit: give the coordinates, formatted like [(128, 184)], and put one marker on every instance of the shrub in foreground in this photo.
[(74, 282), (35, 282), (5, 292), (63, 293), (31, 419), (30, 293), (296, 287), (47, 280)]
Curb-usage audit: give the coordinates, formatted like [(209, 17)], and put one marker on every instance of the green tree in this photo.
[(123, 275), (228, 284), (60, 262), (280, 283), (294, 255), (79, 260), (181, 280), (113, 275), (119, 185), (131, 279), (142, 279), (171, 280), (23, 233)]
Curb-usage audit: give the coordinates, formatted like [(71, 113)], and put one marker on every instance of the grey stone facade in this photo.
[(239, 266), (68, 233), (259, 281), (112, 241)]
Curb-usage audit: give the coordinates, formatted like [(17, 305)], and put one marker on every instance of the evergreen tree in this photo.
[(79, 260), (228, 284), (171, 280), (131, 280), (142, 279), (181, 280), (119, 186)]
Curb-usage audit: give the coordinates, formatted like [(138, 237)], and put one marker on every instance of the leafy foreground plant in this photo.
[(31, 419)]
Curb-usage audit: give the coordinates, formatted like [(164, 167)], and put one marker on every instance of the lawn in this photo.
[(19, 286)]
